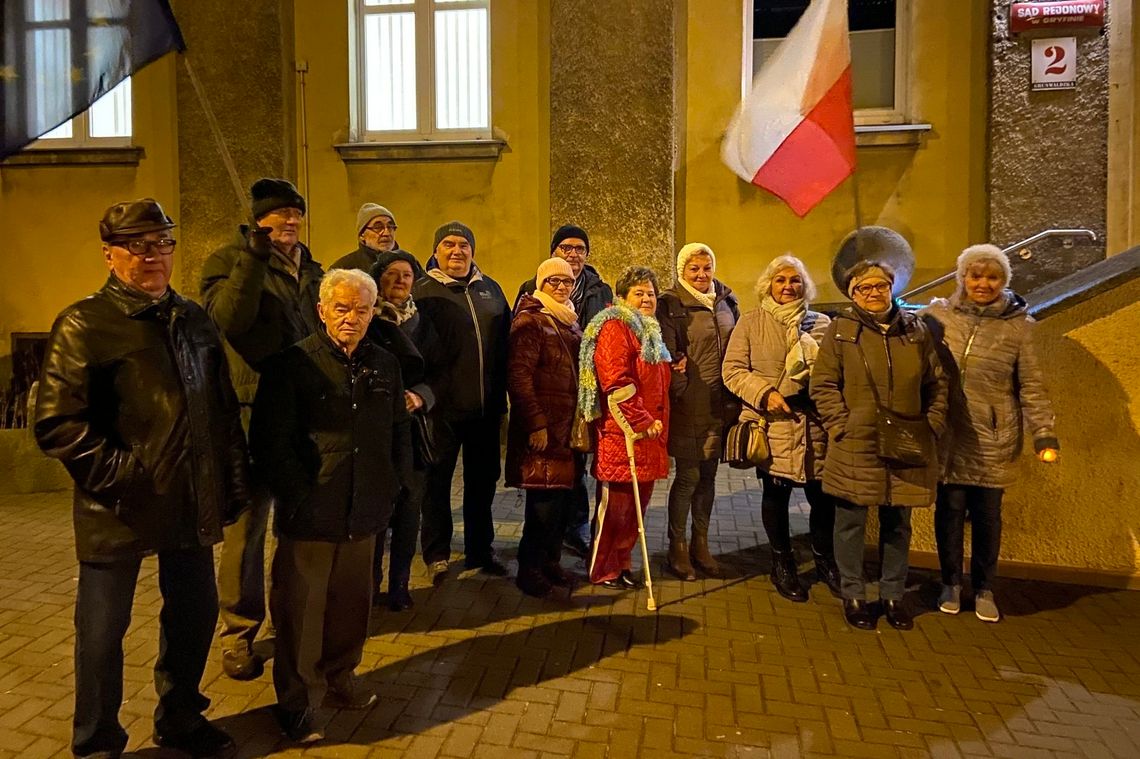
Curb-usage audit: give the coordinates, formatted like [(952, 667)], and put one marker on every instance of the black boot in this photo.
[(828, 572), (858, 614), (785, 577)]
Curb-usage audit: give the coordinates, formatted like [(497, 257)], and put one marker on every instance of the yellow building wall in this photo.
[(50, 215), (505, 202), (933, 194)]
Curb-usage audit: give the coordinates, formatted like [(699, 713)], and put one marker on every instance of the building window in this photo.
[(59, 40), (878, 50), (422, 69)]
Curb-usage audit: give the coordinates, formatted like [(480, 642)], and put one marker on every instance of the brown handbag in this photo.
[(903, 440)]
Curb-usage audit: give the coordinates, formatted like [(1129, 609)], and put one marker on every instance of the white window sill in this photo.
[(83, 156), (890, 135), (434, 150)]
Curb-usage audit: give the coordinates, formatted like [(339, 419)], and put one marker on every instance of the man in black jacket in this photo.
[(473, 320), (376, 232), (330, 436), (590, 295), (135, 399), (261, 291)]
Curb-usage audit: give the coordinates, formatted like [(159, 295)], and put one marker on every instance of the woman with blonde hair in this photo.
[(769, 361)]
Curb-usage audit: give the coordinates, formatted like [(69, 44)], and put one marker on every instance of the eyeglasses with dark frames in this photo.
[(579, 250), (163, 246)]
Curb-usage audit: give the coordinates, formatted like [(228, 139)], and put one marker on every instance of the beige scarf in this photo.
[(708, 300), (801, 347), (563, 312), (389, 311)]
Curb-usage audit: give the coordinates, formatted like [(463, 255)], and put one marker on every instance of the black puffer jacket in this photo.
[(474, 323), (330, 435), (258, 306), (597, 295), (135, 400)]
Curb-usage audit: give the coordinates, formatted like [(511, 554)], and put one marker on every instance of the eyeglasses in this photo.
[(163, 247), (557, 282), (879, 287), (579, 250), (381, 228)]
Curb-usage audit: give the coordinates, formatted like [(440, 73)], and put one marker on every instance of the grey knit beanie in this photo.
[(457, 228), (368, 212)]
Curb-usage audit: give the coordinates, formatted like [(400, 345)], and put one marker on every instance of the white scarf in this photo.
[(801, 347), (563, 312), (708, 300)]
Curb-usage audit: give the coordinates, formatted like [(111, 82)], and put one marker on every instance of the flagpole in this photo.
[(859, 245), (219, 140)]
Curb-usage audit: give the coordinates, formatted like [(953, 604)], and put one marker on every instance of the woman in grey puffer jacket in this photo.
[(984, 337)]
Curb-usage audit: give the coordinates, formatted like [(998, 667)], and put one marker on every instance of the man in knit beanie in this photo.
[(571, 243), (469, 312), (261, 290), (375, 234)]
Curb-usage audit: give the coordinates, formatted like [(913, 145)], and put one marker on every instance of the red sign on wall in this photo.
[(1058, 14)]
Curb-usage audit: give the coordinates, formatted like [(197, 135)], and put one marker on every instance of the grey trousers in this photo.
[(321, 597), (241, 575), (894, 549), (694, 489)]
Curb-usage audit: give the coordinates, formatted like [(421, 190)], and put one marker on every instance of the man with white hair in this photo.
[(330, 435)]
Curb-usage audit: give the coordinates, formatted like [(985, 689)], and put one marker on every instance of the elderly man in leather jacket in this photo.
[(261, 291), (135, 399), (330, 435)]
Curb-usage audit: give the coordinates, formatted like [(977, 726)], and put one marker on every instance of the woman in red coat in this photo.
[(622, 346), (542, 381)]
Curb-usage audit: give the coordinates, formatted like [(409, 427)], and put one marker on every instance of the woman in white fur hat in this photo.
[(697, 315), (985, 340)]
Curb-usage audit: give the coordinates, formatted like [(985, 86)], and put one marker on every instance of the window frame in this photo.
[(81, 138), (900, 112), (425, 130)]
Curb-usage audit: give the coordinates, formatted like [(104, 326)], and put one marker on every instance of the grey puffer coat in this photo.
[(755, 360), (996, 387), (909, 379), (701, 407)]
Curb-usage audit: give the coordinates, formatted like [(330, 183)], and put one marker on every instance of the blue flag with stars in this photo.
[(57, 57)]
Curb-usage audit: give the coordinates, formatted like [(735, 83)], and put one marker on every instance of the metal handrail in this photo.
[(1048, 233)]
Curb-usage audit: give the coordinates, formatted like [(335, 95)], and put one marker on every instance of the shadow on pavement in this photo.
[(445, 684)]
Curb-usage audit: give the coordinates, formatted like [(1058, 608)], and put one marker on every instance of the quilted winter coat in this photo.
[(996, 388), (755, 360), (618, 362), (542, 383), (700, 406), (910, 380)]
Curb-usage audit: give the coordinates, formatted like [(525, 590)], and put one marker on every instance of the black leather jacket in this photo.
[(135, 399), (330, 434)]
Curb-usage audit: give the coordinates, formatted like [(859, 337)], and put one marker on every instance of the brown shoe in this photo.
[(701, 558), (678, 561)]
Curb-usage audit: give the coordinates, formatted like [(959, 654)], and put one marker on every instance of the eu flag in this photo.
[(57, 57)]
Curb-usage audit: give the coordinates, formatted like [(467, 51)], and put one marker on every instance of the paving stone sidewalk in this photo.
[(724, 668)]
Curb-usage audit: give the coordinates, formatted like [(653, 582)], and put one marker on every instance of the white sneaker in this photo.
[(950, 600), (985, 606)]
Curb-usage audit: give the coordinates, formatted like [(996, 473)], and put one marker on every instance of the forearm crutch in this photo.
[(621, 395)]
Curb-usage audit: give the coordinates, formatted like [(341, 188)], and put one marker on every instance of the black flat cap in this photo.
[(133, 217)]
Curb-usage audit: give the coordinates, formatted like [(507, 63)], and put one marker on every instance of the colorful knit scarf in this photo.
[(644, 328)]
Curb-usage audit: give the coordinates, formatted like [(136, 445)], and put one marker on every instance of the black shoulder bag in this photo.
[(904, 440)]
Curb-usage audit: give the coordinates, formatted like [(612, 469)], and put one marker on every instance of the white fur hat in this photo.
[(985, 253), (690, 250)]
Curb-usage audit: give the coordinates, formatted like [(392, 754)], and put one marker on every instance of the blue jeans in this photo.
[(894, 549), (186, 626)]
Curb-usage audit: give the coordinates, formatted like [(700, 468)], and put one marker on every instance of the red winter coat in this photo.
[(618, 362), (542, 381)]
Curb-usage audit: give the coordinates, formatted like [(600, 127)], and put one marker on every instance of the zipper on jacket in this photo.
[(966, 353), (890, 401), (479, 338)]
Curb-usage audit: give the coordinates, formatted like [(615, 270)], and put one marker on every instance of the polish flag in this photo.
[(795, 133)]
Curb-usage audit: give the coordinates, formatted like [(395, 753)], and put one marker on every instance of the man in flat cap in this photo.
[(135, 399), (376, 233), (262, 291)]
